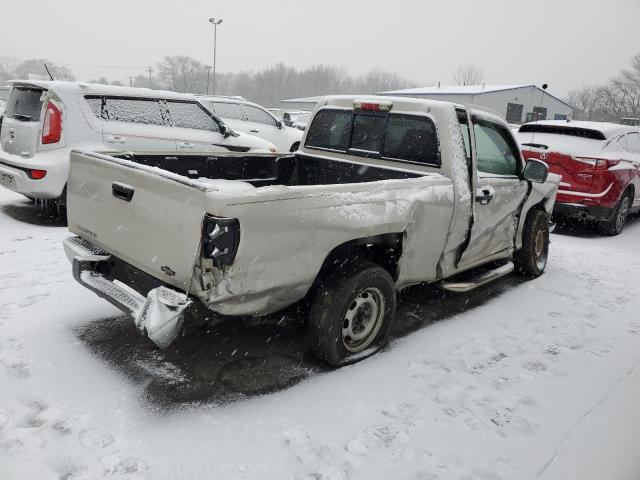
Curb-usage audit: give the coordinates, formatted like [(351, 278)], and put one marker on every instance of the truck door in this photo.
[(498, 190)]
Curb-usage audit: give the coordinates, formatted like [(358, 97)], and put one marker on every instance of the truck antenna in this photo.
[(47, 69)]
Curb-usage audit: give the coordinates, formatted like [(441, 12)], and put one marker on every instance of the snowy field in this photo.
[(520, 380)]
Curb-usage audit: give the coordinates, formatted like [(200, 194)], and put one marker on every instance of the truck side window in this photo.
[(496, 153), (258, 116)]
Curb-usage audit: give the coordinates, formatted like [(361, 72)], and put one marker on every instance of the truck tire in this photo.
[(351, 314), (531, 259), (616, 224)]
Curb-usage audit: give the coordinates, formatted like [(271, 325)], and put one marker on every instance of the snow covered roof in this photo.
[(305, 99), (99, 89), (454, 90), (464, 90), (608, 129)]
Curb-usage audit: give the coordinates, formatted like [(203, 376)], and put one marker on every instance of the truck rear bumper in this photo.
[(160, 315)]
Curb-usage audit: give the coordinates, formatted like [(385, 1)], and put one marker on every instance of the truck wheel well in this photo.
[(383, 250)]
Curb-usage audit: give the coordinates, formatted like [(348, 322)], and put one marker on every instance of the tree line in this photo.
[(618, 98), (267, 87)]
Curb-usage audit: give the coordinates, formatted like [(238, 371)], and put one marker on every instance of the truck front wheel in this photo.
[(531, 259), (351, 314)]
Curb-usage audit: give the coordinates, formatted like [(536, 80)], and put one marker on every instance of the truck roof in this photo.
[(399, 103), (85, 88)]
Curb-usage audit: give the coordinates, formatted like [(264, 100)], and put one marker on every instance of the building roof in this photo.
[(464, 90), (304, 100), (454, 90)]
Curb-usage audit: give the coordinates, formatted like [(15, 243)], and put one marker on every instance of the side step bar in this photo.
[(479, 280)]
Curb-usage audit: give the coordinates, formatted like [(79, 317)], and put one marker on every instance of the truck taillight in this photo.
[(36, 174), (52, 126), (220, 239)]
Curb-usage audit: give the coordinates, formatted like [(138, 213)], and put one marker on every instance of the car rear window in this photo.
[(411, 138), (227, 110), (563, 130), (25, 104)]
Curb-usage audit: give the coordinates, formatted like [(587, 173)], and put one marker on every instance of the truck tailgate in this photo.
[(146, 217)]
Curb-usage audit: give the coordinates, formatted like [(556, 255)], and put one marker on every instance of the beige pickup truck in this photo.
[(383, 193)]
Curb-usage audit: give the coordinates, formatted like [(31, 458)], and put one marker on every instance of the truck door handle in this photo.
[(185, 145), (255, 131), (116, 139), (121, 191), (484, 195)]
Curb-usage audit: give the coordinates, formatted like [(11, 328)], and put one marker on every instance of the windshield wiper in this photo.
[(19, 116)]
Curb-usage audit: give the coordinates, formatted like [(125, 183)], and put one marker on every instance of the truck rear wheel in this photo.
[(352, 314), (531, 259)]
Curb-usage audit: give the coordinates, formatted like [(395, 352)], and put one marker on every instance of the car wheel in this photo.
[(294, 147), (531, 259), (351, 314), (616, 224)]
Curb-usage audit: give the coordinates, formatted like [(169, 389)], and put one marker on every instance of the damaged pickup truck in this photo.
[(384, 193)]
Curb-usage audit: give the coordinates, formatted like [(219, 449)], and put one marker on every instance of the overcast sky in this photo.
[(565, 43)]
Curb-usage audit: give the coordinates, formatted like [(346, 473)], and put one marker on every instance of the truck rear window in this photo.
[(411, 138), (25, 104)]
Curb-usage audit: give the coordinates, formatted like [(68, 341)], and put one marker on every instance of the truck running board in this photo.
[(477, 281)]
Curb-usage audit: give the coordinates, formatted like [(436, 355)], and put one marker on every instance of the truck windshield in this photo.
[(411, 138)]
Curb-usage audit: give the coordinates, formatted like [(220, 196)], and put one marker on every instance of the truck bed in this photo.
[(147, 210), (268, 169)]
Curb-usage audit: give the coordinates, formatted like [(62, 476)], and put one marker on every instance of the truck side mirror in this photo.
[(536, 171)]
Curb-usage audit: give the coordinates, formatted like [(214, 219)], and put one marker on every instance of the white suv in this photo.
[(251, 118), (45, 120)]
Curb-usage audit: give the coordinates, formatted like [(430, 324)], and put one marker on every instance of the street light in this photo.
[(215, 35)]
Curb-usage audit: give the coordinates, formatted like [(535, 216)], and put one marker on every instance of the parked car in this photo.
[(45, 120), (251, 118), (599, 164), (374, 201), (635, 122)]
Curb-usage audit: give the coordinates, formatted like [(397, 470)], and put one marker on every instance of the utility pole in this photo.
[(215, 35), (149, 70), (208, 74), (131, 77)]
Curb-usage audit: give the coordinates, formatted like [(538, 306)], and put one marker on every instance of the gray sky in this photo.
[(566, 43)]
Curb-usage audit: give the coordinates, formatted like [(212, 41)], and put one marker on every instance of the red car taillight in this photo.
[(36, 174), (52, 126), (602, 164)]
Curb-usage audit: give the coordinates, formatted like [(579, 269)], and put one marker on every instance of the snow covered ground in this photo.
[(541, 380)]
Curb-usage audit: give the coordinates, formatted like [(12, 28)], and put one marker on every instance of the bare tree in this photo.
[(182, 74), (7, 68), (468, 75), (36, 67)]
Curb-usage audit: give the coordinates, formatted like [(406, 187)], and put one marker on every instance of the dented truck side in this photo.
[(383, 194)]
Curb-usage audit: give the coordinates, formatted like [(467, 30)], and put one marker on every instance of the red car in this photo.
[(600, 167)]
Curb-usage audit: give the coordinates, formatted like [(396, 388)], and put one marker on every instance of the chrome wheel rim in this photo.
[(539, 249), (363, 319), (623, 211)]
